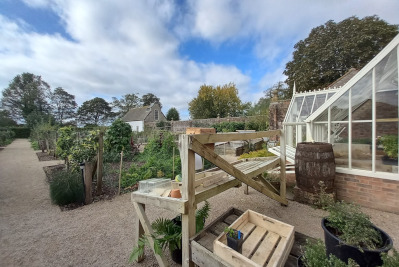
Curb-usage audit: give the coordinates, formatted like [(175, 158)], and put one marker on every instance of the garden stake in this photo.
[(120, 173), (173, 170)]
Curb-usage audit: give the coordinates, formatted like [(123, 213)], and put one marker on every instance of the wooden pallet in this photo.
[(202, 243)]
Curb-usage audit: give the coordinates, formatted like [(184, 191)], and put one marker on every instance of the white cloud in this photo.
[(119, 47)]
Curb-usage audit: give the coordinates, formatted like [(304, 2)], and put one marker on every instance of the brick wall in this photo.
[(375, 193)]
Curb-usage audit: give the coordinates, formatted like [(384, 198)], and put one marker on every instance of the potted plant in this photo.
[(349, 233), (314, 255), (390, 146), (235, 239), (168, 233)]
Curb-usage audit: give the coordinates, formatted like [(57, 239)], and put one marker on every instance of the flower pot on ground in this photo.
[(349, 233), (235, 239)]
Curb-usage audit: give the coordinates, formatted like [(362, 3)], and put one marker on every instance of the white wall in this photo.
[(137, 126)]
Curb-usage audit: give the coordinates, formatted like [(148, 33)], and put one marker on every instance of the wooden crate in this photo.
[(267, 242)]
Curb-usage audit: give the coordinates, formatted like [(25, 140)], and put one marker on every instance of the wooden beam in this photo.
[(214, 190), (261, 168), (173, 204), (208, 154), (227, 137), (187, 157), (204, 257), (148, 230), (140, 233), (283, 186)]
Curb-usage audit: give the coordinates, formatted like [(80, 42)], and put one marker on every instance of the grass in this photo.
[(66, 187)]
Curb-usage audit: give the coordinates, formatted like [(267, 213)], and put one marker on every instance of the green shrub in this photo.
[(229, 126), (390, 144), (258, 123), (157, 158), (117, 137), (66, 188), (6, 136), (21, 132), (390, 260), (34, 145)]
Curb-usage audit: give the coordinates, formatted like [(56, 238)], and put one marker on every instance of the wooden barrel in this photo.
[(314, 162)]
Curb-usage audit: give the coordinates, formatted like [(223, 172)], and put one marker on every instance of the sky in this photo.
[(103, 48)]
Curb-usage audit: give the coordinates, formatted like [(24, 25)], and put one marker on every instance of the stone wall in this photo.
[(277, 111), (180, 126)]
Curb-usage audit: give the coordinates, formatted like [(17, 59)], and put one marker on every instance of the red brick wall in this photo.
[(375, 193)]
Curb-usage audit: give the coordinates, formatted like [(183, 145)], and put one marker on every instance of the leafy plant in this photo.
[(390, 144), (168, 233), (390, 260), (233, 233), (314, 255), (34, 145), (350, 224), (117, 137), (66, 187), (65, 142), (84, 149), (6, 137)]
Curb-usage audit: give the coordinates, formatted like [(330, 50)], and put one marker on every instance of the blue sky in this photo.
[(168, 48)]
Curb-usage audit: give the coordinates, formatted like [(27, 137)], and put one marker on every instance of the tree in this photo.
[(6, 120), (26, 93), (64, 105), (124, 104), (149, 98), (94, 111), (212, 102), (332, 49), (173, 114)]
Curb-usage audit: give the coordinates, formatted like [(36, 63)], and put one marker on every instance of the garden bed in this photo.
[(44, 156)]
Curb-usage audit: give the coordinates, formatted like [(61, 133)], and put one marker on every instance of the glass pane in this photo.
[(320, 99), (339, 109), (386, 159), (320, 131), (387, 87), (295, 109), (339, 137), (361, 146), (306, 107), (361, 93), (323, 116), (330, 95)]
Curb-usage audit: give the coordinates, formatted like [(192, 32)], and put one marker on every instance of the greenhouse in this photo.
[(360, 118)]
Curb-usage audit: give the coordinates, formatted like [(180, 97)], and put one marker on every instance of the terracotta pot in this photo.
[(175, 193)]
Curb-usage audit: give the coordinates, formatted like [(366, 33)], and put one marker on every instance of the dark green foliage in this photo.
[(66, 188), (257, 123), (124, 104), (36, 117), (25, 94), (94, 111), (332, 49), (6, 136), (390, 144), (6, 120), (117, 137), (229, 126), (390, 260), (21, 132), (314, 255), (167, 233), (156, 158), (34, 145), (150, 98), (64, 105), (173, 114), (163, 125)]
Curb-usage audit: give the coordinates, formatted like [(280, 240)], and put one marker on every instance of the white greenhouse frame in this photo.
[(319, 122)]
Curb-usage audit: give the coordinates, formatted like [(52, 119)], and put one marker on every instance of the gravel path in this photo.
[(33, 232)]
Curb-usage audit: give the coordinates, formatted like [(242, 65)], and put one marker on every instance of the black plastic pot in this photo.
[(389, 161), (235, 244), (365, 258), (300, 261), (176, 255)]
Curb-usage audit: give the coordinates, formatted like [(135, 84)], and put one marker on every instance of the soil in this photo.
[(33, 232), (44, 156)]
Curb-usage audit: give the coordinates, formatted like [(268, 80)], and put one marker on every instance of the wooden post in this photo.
[(88, 177), (100, 163), (188, 192), (140, 233), (282, 165), (173, 170), (120, 173)]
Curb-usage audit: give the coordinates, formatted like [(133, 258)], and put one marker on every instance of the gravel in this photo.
[(33, 232)]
